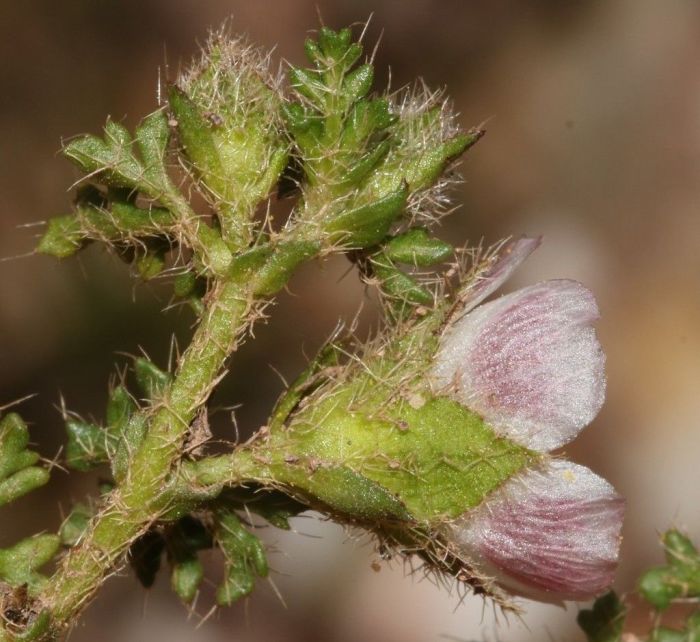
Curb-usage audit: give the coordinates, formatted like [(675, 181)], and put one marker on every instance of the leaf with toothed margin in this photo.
[(120, 221), (110, 157)]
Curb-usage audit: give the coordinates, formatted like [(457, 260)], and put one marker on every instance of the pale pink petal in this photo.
[(550, 535), (497, 270), (529, 363)]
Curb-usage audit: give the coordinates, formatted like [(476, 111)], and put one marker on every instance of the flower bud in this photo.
[(227, 110)]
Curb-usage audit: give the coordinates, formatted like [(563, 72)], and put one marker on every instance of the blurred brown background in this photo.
[(593, 113)]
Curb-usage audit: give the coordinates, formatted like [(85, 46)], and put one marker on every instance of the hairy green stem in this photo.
[(144, 495), (151, 491)]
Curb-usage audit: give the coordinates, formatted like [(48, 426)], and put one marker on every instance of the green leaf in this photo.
[(308, 83), (197, 139), (75, 525), (399, 285), (120, 407), (152, 137), (19, 563), (605, 621), (357, 83), (368, 224), (63, 237), (282, 263), (679, 579), (416, 247), (127, 442), (244, 558), (14, 439), (112, 159), (18, 474), (21, 483), (87, 445), (122, 221), (187, 575), (152, 380)]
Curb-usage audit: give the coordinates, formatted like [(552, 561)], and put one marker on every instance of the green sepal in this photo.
[(75, 525), (87, 445), (399, 285), (197, 139), (19, 564), (605, 621), (275, 507), (244, 558), (150, 378), (416, 247), (145, 557), (368, 224), (346, 492)]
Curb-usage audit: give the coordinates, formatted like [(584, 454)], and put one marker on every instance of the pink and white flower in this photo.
[(530, 364)]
